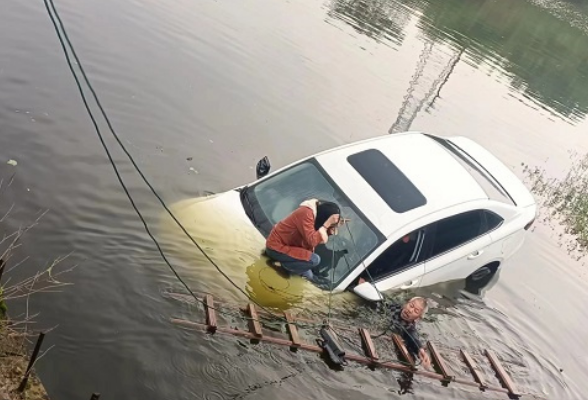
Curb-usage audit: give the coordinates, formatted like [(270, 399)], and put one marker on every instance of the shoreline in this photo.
[(14, 360)]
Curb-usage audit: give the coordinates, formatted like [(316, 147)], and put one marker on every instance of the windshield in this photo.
[(275, 198)]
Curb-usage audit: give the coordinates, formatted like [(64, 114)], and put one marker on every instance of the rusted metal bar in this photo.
[(368, 344), (440, 363), (502, 375), (95, 396), (298, 318), (292, 331), (350, 357), (210, 313), (250, 335), (402, 349), (474, 369), (254, 325), (496, 389), (25, 379)]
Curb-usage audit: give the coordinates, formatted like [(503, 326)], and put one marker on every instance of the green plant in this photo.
[(564, 200)]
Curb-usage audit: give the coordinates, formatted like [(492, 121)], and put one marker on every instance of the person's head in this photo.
[(414, 309), (324, 210), (408, 238)]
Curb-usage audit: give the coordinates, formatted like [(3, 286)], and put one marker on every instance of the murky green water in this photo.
[(199, 91)]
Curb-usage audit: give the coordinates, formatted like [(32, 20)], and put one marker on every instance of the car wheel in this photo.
[(481, 273), (484, 273), (480, 278)]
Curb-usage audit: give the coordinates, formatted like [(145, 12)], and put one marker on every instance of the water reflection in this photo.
[(379, 19), (542, 56), (431, 73)]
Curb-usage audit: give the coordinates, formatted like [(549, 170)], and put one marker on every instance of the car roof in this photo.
[(437, 175)]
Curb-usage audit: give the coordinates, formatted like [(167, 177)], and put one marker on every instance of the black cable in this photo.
[(365, 268), (415, 341), (97, 129), (50, 6), (117, 173), (331, 281)]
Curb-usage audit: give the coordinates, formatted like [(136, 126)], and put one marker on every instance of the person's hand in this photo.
[(424, 357), (331, 221), (332, 231)]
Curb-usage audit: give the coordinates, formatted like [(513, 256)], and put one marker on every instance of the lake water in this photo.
[(199, 91)]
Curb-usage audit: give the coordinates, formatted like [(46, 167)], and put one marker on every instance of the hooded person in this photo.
[(324, 210), (292, 241)]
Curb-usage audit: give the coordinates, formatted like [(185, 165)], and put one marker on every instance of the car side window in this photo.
[(400, 255), (456, 230), (493, 220)]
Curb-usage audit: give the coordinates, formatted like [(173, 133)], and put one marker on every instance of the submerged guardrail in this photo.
[(445, 373)]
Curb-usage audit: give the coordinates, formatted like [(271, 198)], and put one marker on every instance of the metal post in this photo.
[(2, 265), (34, 356), (95, 396)]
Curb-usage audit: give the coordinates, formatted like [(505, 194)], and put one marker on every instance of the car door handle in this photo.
[(475, 254), (409, 284)]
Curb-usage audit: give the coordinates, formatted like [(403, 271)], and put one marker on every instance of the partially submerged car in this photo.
[(422, 209)]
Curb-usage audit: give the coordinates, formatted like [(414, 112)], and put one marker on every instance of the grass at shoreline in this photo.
[(564, 201)]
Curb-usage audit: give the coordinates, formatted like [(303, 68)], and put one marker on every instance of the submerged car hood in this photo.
[(220, 226)]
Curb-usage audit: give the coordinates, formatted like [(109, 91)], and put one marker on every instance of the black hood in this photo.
[(324, 210)]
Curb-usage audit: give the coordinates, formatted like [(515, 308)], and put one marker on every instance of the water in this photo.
[(199, 91)]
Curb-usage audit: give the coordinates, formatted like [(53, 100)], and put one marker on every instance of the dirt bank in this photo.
[(13, 364)]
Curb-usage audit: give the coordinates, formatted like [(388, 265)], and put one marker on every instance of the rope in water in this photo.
[(62, 34), (331, 282)]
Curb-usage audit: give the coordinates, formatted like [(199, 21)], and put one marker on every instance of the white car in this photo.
[(422, 209)]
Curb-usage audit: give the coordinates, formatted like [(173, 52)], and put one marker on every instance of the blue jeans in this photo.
[(294, 265)]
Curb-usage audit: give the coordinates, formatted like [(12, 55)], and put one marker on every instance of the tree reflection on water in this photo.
[(542, 56)]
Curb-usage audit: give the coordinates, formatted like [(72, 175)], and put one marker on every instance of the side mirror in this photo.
[(368, 291), (263, 167)]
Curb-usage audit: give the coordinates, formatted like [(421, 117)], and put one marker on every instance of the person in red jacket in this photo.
[(291, 242)]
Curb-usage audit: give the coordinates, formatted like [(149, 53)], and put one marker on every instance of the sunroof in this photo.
[(387, 180)]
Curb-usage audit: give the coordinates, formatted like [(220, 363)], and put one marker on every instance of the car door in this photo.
[(457, 246), (399, 266)]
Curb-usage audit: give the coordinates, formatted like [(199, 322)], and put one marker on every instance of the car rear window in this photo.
[(492, 188), (387, 180)]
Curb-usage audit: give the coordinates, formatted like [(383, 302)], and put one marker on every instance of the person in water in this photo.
[(292, 241), (403, 321)]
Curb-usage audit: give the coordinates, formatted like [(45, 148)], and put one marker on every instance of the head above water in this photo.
[(409, 237), (414, 309), (324, 210)]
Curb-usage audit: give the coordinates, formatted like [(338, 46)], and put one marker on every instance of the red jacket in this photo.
[(295, 235)]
